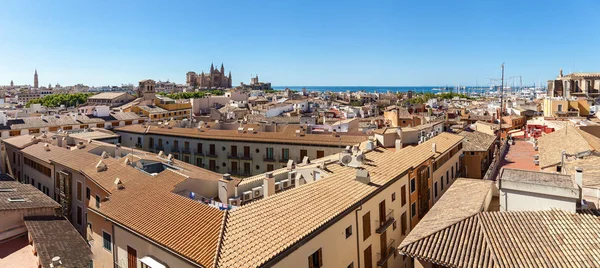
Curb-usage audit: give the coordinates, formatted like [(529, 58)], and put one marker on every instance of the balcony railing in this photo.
[(246, 156), (160, 147), (186, 150), (233, 156), (211, 154), (284, 159), (386, 222), (198, 153), (174, 149), (386, 253), (269, 158)]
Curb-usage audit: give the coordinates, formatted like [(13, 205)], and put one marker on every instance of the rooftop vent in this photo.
[(119, 184), (362, 175), (104, 155), (370, 145), (56, 262), (227, 176), (46, 147), (433, 148), (291, 165), (101, 166)]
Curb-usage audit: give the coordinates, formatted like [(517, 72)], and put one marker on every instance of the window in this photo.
[(87, 193), (368, 257), (442, 183), (394, 225), (452, 172), (107, 241), (315, 260), (79, 216), (560, 107), (139, 141), (269, 167), (447, 180), (269, 153), (79, 190), (413, 210), (435, 191), (403, 223), (447, 175), (393, 197), (366, 225), (348, 231), (320, 154), (403, 195), (97, 201), (413, 185), (285, 154)]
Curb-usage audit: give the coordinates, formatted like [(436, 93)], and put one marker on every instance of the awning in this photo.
[(151, 262)]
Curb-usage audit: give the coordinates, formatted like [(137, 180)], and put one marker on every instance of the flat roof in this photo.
[(537, 177)]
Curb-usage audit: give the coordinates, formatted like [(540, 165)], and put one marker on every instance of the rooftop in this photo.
[(537, 177), (452, 207), (14, 196), (477, 141), (17, 253), (147, 206), (520, 156), (310, 206), (287, 135), (56, 237), (568, 139), (107, 95), (550, 238)]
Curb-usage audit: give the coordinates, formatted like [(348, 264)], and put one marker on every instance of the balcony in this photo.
[(246, 156), (384, 256), (233, 156), (198, 153), (175, 149), (284, 159), (388, 220), (269, 158), (186, 151), (160, 148), (211, 154)]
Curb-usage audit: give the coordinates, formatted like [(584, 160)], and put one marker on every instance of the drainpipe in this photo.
[(357, 239)]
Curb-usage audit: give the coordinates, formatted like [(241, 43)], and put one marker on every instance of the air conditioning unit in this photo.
[(235, 201), (257, 192), (536, 162), (247, 195), (535, 148), (285, 183), (278, 186)]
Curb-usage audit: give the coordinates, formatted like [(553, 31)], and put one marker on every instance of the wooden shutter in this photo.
[(366, 225)]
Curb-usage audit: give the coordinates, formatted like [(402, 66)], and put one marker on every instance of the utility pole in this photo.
[(502, 92)]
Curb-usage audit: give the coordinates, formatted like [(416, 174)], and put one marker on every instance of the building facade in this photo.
[(574, 85), (214, 79)]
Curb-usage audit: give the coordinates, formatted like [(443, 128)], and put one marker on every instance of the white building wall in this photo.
[(514, 200)]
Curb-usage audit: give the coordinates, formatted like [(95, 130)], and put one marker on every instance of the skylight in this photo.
[(16, 199), (4, 190)]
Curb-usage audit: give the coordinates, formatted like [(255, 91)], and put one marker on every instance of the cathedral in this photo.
[(214, 79)]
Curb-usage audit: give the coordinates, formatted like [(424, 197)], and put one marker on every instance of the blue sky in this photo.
[(347, 42)]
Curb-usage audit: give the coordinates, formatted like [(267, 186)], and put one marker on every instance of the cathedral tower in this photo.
[(35, 79)]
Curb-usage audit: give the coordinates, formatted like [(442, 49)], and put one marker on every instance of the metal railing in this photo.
[(390, 250), (386, 222)]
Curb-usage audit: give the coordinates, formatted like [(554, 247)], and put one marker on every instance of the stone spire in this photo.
[(35, 79), (212, 68), (230, 81), (222, 69), (11, 83)]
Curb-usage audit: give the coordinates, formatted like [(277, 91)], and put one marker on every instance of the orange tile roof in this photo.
[(550, 238), (286, 136), (148, 207), (303, 210)]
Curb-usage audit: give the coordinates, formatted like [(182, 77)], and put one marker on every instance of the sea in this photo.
[(382, 89)]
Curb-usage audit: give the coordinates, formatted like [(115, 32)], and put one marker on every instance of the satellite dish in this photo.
[(346, 159)]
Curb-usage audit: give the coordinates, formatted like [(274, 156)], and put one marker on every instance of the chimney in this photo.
[(119, 184), (579, 181), (433, 148), (398, 144), (46, 147), (118, 151), (362, 175), (227, 188), (54, 141), (268, 184)]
